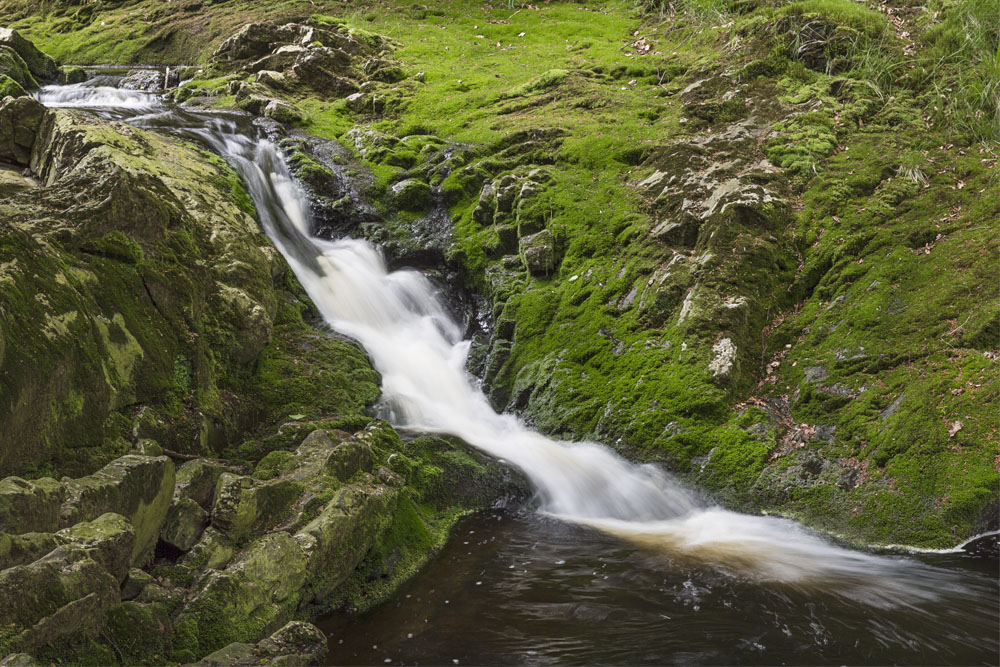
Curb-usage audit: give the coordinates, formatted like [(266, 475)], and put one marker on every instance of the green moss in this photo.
[(846, 12)]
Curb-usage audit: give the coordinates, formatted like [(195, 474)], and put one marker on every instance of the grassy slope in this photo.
[(880, 175)]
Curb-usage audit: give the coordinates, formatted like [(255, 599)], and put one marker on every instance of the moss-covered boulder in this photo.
[(185, 522), (26, 548), (20, 119), (137, 487), (411, 194), (30, 506), (109, 540), (163, 293), (41, 66), (295, 644), (62, 594)]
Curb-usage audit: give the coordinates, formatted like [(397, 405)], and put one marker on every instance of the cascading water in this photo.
[(398, 318)]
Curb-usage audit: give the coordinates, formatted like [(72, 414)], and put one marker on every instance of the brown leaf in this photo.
[(955, 427)]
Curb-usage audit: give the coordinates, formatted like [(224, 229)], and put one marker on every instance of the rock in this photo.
[(722, 364), (255, 40), (42, 67), (815, 373), (69, 593), (25, 548), (213, 551), (20, 120), (336, 540), (411, 195), (108, 539), (271, 78), (148, 447), (72, 74), (296, 644), (320, 454), (261, 589), (147, 80), (314, 70), (20, 660), (10, 88), (184, 525), (486, 208), (281, 59), (237, 653), (136, 581), (244, 508), (137, 487), (12, 181), (16, 70), (538, 253), (196, 479), (30, 506), (283, 112)]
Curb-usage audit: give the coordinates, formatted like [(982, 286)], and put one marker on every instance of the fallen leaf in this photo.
[(956, 426)]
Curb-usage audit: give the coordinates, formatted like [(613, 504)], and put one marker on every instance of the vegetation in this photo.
[(751, 240)]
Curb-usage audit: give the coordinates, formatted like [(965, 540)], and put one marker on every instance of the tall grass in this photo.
[(713, 10), (968, 47)]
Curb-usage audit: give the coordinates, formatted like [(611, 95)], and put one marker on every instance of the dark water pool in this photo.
[(525, 589)]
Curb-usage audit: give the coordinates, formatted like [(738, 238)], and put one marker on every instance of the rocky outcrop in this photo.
[(156, 289), (41, 66), (22, 66), (332, 521), (327, 59)]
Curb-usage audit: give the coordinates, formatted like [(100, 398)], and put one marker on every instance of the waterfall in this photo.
[(399, 319)]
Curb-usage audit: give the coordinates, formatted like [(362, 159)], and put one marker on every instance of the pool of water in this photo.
[(521, 588)]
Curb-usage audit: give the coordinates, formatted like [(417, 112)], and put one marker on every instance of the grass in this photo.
[(966, 74)]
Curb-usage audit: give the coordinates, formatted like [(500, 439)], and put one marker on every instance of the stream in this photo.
[(619, 563)]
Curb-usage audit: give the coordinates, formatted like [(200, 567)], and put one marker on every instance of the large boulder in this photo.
[(108, 539), (20, 119), (137, 487), (26, 548), (324, 73), (16, 75), (41, 66), (185, 523), (296, 644), (244, 507), (64, 593)]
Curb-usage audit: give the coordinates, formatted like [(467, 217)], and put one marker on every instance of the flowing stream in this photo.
[(596, 510)]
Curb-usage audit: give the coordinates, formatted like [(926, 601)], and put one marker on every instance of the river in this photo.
[(619, 563)]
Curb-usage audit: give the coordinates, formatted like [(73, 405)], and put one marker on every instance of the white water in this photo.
[(418, 349)]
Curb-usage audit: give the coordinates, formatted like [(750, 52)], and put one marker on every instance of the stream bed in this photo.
[(523, 588)]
